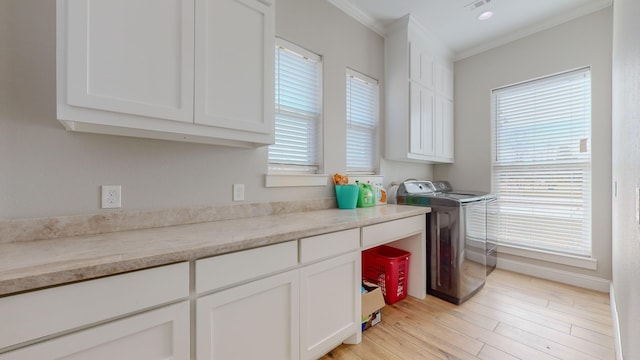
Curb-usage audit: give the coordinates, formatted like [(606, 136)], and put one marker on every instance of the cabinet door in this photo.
[(444, 80), (421, 120), (158, 334), (444, 129), (421, 65), (329, 304), (235, 64), (129, 56), (259, 320)]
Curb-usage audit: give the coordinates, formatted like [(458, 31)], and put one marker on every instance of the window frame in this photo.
[(374, 151), (583, 260), (281, 170)]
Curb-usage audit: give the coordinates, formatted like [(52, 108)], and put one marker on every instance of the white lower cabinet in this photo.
[(288, 301), (258, 320), (329, 304), (161, 334), (302, 312)]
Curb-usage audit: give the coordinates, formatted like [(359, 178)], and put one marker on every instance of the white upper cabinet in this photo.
[(129, 57), (130, 67), (421, 65), (444, 128), (444, 80), (234, 61), (421, 120), (419, 96)]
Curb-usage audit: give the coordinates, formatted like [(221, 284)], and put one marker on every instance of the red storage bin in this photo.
[(387, 267)]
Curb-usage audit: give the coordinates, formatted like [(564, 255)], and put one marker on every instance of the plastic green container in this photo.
[(347, 196), (366, 196)]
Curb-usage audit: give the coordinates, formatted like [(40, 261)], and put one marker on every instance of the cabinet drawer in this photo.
[(393, 230), (220, 271), (326, 245), (45, 312), (157, 334)]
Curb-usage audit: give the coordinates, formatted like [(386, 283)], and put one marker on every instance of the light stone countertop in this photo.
[(30, 265)]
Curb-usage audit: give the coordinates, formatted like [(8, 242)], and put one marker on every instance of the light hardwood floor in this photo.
[(513, 317)]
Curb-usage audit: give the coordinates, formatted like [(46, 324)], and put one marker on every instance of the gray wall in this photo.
[(581, 42), (626, 172), (46, 171)]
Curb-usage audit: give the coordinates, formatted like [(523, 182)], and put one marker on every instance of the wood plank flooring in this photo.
[(513, 317)]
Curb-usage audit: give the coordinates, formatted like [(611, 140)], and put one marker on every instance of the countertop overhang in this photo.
[(31, 265)]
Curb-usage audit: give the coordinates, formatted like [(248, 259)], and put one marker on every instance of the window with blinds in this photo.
[(362, 123), (298, 110), (542, 163)]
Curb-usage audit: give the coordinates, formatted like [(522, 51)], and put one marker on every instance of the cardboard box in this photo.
[(372, 302)]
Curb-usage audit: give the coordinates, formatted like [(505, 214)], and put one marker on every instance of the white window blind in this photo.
[(298, 110), (542, 163), (362, 122)]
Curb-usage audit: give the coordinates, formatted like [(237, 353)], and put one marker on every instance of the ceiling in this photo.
[(456, 24)]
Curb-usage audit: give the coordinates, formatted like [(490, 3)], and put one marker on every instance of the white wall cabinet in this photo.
[(419, 99), (421, 64), (443, 128), (234, 61), (129, 67), (421, 121)]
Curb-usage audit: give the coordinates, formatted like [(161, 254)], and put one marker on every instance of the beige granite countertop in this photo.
[(29, 265)]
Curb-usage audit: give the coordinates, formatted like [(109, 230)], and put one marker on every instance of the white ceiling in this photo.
[(455, 22)]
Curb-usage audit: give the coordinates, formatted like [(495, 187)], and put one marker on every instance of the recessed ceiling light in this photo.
[(485, 15)]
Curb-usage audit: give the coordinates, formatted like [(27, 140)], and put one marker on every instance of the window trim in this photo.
[(277, 170)]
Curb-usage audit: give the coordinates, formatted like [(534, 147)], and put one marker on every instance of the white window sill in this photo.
[(570, 260), (292, 180)]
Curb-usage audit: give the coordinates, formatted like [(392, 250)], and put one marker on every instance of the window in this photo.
[(542, 163), (298, 110), (362, 123)]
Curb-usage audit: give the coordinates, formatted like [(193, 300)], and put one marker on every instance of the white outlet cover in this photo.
[(111, 196), (238, 192)]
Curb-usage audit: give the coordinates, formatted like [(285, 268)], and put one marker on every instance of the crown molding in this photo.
[(359, 15), (555, 21)]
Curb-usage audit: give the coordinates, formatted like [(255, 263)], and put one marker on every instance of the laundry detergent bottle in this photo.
[(366, 196)]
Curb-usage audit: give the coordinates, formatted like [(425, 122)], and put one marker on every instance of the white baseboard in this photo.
[(565, 277), (616, 323)]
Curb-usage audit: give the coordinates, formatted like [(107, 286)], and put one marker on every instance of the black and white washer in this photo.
[(457, 244)]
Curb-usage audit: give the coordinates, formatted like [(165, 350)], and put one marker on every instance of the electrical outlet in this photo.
[(111, 196), (238, 192)]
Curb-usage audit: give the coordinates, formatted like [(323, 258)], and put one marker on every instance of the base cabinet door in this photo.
[(153, 335), (329, 304), (258, 320)]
